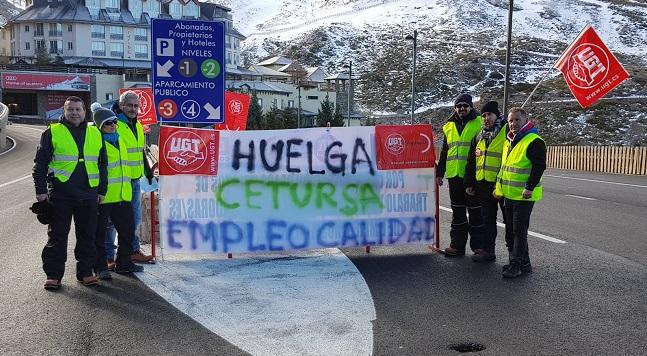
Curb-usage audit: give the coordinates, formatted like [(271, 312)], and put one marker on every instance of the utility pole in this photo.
[(299, 109), (413, 73), (506, 89), (350, 87)]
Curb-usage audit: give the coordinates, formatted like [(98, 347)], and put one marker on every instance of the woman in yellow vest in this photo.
[(459, 131), (117, 203), (483, 163), (519, 182)]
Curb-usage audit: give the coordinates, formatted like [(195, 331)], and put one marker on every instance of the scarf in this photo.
[(112, 138)]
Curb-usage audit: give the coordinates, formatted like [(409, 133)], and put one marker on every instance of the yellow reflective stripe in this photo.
[(133, 150), (131, 163), (488, 168), (458, 143), (92, 158), (113, 165), (93, 176), (118, 180), (494, 154), (456, 157), (65, 158)]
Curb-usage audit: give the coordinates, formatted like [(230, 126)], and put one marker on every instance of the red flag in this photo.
[(146, 105), (589, 68), (186, 150), (403, 147), (237, 108)]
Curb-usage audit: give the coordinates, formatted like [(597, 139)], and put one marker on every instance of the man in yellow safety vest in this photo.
[(519, 182), (72, 160), (483, 163), (459, 131)]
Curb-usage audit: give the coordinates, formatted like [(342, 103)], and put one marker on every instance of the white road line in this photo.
[(297, 303), (579, 197), (12, 147), (597, 181), (29, 128), (14, 181), (531, 233)]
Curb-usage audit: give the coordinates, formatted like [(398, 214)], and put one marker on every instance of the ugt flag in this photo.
[(186, 150), (589, 68), (236, 110)]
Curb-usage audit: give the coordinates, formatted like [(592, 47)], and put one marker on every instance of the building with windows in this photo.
[(107, 39)]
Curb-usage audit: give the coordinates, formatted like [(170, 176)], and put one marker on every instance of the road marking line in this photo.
[(29, 128), (579, 197), (14, 181), (12, 147), (598, 181), (531, 233)]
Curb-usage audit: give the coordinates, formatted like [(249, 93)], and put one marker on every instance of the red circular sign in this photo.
[(185, 152), (167, 108), (395, 143)]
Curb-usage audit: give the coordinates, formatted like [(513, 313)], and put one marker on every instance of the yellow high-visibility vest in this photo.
[(459, 146), (488, 159), (515, 171), (135, 148), (119, 186), (66, 153)]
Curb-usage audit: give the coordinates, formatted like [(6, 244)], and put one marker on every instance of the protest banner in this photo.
[(146, 115), (589, 67), (302, 189)]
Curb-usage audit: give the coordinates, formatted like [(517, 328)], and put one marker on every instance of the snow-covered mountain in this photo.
[(461, 48)]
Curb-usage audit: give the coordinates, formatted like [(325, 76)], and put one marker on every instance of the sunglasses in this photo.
[(462, 105), (110, 123)]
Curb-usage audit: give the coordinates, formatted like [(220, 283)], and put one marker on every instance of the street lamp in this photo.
[(350, 86), (414, 38), (508, 51)]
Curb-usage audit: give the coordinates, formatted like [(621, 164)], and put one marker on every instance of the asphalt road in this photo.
[(586, 296)]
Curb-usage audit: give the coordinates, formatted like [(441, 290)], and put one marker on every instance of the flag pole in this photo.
[(543, 77)]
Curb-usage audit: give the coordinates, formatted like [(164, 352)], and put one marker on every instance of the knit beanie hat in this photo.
[(463, 98), (493, 107), (101, 114)]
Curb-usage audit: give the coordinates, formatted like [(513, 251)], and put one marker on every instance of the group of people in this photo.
[(91, 173), (491, 162)]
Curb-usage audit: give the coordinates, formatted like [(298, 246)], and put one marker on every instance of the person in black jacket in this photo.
[(74, 186)]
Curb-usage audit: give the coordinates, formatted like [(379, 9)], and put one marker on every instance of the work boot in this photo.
[(104, 275), (110, 264), (483, 256), (129, 269), (513, 271), (525, 268), (450, 251), (140, 257)]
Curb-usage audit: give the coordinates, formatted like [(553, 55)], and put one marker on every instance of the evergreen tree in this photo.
[(58, 60), (325, 113), (338, 118), (274, 119), (255, 114), (42, 57), (289, 118)]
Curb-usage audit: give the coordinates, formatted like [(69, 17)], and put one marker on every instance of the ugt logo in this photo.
[(395, 143), (235, 107), (185, 151), (587, 66)]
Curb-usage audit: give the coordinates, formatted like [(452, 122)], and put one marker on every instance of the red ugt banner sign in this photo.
[(404, 147), (188, 151), (236, 110), (146, 105), (589, 68)]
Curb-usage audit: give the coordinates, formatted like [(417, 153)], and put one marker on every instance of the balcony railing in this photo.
[(116, 36), (141, 38), (55, 51), (55, 33), (98, 35), (39, 33), (99, 53), (141, 55), (116, 54)]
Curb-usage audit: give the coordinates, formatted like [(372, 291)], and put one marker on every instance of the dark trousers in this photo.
[(121, 215), (461, 227), (489, 208), (517, 214), (55, 251)]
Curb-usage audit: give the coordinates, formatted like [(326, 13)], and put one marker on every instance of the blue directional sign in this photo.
[(189, 70)]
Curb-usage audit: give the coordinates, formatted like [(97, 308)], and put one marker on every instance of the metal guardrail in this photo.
[(4, 117)]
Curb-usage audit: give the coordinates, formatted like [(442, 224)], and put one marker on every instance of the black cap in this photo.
[(44, 211), (463, 98), (491, 106)]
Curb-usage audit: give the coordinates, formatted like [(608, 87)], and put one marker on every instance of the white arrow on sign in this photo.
[(162, 70), (214, 113)]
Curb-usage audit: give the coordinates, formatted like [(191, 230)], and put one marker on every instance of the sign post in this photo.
[(188, 71)]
